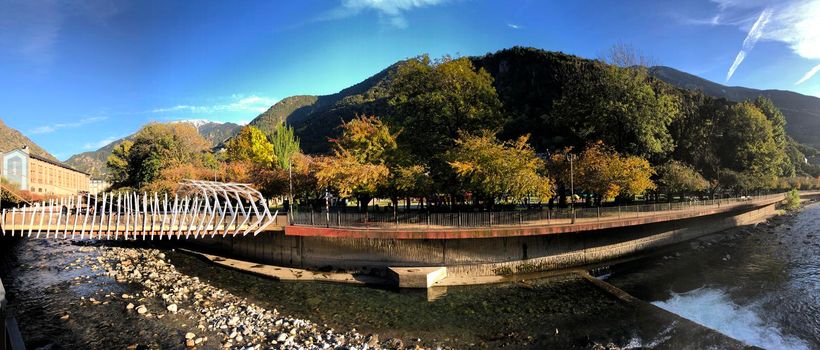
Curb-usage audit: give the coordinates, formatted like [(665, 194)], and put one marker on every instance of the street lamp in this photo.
[(571, 187)]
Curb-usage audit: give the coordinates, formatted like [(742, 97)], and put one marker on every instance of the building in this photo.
[(41, 175), (98, 186)]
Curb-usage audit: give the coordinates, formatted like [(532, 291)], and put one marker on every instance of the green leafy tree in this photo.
[(251, 145), (493, 169), (433, 101), (619, 106), (678, 178), (285, 145), (748, 147), (117, 163), (781, 140), (157, 147)]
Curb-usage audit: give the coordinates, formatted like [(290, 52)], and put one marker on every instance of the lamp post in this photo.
[(327, 207), (571, 187), (290, 188)]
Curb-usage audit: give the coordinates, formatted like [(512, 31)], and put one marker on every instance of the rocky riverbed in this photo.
[(85, 295), (237, 323)]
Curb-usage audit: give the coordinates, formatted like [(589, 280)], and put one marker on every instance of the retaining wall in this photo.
[(480, 256)]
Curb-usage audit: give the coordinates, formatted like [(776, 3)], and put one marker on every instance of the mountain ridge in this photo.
[(11, 139), (802, 112), (522, 75)]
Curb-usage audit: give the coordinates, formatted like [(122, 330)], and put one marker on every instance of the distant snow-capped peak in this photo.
[(197, 123)]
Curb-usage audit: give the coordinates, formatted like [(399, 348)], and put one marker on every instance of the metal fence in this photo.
[(487, 219)]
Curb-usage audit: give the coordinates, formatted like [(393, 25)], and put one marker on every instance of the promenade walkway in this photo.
[(520, 223)]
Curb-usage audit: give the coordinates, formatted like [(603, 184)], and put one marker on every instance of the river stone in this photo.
[(142, 309), (190, 343), (190, 335), (130, 306), (394, 343), (372, 340), (282, 337), (172, 308)]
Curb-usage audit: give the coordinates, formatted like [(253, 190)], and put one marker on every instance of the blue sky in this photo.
[(76, 75)]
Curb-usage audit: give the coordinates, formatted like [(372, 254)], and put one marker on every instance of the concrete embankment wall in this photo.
[(478, 256)]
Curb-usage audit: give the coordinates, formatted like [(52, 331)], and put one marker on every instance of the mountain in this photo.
[(94, 162), (316, 118), (12, 139), (528, 81), (802, 112)]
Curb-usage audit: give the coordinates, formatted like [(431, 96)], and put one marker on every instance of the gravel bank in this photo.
[(238, 323)]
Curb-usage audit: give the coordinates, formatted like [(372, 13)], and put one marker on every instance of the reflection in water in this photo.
[(714, 309)]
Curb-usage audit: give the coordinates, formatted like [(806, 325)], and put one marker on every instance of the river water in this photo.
[(757, 284)]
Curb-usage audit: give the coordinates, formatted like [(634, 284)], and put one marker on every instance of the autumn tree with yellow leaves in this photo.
[(358, 165), (603, 174), (493, 169)]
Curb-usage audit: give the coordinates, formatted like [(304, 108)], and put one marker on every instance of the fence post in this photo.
[(312, 223), (598, 211), (338, 219), (549, 216), (491, 219)]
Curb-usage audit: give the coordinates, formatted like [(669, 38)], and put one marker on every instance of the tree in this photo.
[(285, 145), (747, 146), (433, 101), (605, 173), (368, 139), (781, 140), (678, 178), (619, 106), (157, 147), (251, 145), (117, 164), (358, 166), (494, 169)]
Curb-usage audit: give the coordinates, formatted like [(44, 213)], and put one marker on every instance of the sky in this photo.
[(76, 75)]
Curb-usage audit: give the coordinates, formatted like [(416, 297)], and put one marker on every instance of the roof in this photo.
[(59, 164)]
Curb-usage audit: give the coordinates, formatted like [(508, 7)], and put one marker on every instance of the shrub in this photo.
[(792, 201)]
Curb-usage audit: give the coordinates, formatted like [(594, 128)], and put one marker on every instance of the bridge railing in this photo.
[(488, 219)]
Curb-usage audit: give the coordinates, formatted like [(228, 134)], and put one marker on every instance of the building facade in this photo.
[(41, 175)]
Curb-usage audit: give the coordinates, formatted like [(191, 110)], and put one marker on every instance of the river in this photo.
[(756, 284)]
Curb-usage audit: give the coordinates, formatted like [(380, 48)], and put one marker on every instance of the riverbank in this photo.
[(239, 323), (74, 295), (71, 296)]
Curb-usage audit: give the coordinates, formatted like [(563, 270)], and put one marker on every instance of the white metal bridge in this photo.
[(198, 209)]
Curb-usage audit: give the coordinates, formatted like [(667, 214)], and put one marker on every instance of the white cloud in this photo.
[(808, 75), (390, 12), (237, 103), (795, 23), (101, 143), (513, 26), (751, 39), (45, 129)]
